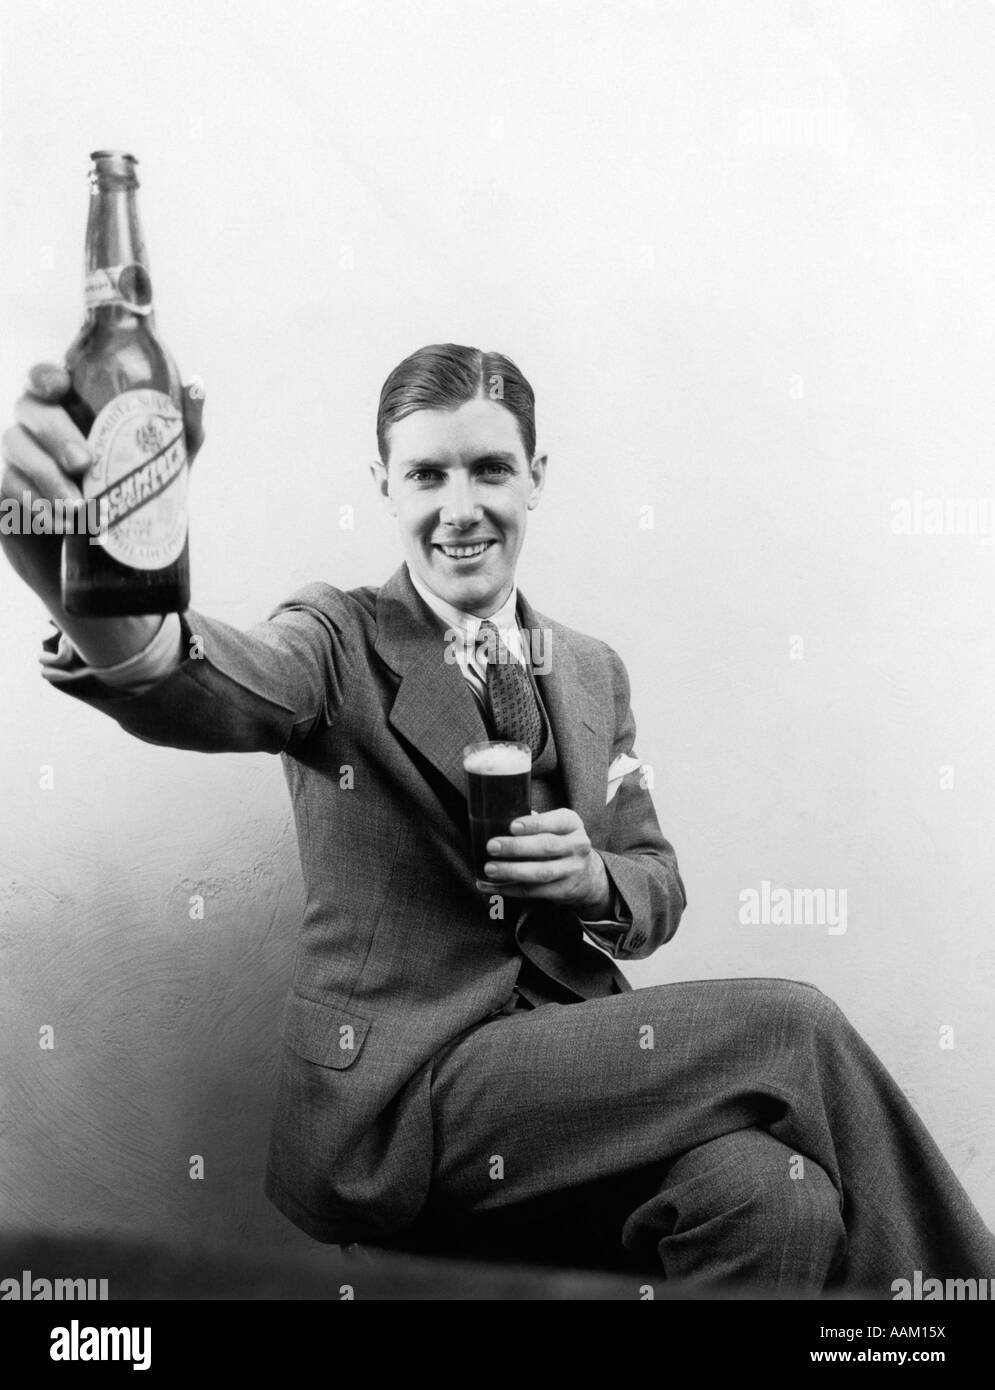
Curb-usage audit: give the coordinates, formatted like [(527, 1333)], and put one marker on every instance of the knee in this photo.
[(767, 1172), (753, 1177), (796, 996), (744, 1207), (802, 1010), (797, 1201)]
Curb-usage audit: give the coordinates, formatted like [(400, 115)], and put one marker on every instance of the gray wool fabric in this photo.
[(665, 1122)]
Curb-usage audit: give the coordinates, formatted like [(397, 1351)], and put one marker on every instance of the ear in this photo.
[(537, 473), (381, 482)]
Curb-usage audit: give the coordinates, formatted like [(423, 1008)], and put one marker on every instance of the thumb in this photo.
[(193, 414), (48, 381)]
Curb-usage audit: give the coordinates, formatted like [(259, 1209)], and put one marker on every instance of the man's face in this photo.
[(460, 485)]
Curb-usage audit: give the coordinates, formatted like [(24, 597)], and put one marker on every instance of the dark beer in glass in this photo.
[(498, 790)]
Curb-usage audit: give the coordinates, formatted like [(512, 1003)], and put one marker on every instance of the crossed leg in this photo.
[(743, 1210), (734, 1130)]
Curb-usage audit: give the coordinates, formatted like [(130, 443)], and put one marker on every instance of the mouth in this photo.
[(466, 551)]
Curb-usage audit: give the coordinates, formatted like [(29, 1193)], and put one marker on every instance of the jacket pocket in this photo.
[(323, 1032)]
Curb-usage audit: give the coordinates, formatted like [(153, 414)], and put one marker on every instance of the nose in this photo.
[(460, 510)]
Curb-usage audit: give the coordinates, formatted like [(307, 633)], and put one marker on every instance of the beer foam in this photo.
[(500, 760)]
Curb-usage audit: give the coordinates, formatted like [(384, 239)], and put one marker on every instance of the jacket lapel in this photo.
[(576, 713), (435, 710)]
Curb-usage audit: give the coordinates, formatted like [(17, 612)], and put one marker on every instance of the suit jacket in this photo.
[(399, 954)]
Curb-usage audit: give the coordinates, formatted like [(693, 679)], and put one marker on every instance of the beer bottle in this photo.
[(126, 397)]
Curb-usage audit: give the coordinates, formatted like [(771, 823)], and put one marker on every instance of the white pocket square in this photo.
[(621, 767)]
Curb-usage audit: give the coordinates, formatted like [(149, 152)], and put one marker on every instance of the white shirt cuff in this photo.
[(160, 656), (610, 932)]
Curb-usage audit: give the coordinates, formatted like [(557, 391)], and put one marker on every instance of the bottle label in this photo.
[(140, 479), (129, 285)]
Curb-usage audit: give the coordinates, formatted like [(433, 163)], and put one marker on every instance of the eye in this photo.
[(495, 469), (420, 475)]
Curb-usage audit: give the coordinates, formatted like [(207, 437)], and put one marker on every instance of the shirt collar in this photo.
[(468, 623)]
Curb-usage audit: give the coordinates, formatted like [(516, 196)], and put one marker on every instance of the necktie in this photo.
[(514, 707)]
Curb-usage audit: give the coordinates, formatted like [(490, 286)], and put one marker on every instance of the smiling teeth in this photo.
[(462, 552)]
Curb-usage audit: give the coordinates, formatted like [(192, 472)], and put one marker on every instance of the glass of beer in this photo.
[(498, 789)]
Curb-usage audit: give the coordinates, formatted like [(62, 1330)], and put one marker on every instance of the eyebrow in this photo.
[(497, 457)]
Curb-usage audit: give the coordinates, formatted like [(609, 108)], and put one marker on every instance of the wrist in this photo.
[(109, 641), (600, 902)]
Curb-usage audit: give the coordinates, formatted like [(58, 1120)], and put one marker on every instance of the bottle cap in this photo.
[(111, 169)]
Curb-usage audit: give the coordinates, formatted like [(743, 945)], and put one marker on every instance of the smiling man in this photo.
[(465, 1066), (462, 513), (461, 482)]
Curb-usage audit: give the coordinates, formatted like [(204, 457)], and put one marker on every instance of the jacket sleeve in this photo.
[(264, 689), (641, 864)]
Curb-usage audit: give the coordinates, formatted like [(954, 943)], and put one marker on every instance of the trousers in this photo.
[(728, 1132)]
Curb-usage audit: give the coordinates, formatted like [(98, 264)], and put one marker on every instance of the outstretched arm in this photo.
[(264, 689)]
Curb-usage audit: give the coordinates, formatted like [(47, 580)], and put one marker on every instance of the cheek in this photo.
[(413, 518), (514, 516), (510, 508)]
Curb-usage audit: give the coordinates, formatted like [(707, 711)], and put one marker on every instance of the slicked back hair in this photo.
[(444, 376)]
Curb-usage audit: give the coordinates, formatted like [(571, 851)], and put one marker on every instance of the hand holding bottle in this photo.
[(45, 457)]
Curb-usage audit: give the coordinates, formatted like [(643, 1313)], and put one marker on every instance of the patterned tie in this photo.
[(513, 703)]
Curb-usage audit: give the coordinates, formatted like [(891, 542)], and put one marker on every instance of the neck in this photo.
[(479, 611), (487, 610)]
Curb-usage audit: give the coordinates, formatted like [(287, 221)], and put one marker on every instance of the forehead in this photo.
[(456, 436)]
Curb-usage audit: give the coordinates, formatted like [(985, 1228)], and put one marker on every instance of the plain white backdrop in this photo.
[(743, 252)]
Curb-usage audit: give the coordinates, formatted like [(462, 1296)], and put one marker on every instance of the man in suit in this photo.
[(465, 1066)]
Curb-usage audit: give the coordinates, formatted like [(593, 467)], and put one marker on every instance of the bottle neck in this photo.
[(117, 280)]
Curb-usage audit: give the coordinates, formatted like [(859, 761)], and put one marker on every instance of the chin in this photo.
[(465, 592)]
